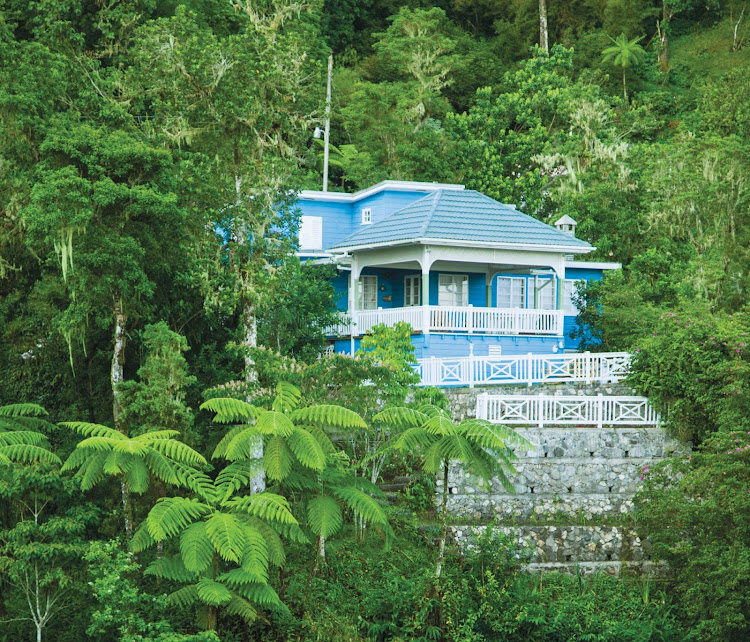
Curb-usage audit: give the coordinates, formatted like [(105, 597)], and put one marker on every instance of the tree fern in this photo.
[(196, 549), (480, 447), (324, 516)]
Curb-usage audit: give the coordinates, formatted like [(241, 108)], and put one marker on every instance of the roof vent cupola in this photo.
[(566, 225)]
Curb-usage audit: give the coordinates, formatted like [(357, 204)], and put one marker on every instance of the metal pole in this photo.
[(327, 135)]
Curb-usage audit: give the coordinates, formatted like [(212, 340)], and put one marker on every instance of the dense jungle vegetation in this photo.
[(175, 461)]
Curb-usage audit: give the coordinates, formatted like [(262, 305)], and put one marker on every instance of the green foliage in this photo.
[(392, 347), (695, 511), (694, 369), (20, 439)]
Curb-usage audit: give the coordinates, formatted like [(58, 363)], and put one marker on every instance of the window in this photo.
[(311, 233), (412, 290), (547, 294), (368, 293), (571, 290), (366, 216), (453, 289), (511, 292)]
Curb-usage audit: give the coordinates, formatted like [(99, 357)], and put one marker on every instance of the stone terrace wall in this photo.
[(571, 476)]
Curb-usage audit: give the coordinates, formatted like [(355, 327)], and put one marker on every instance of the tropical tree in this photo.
[(298, 455), (20, 439), (482, 448), (624, 53), (227, 542), (107, 452)]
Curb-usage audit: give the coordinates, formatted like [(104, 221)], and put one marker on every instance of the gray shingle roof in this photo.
[(465, 215)]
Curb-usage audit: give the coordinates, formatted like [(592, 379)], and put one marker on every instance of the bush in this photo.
[(696, 512)]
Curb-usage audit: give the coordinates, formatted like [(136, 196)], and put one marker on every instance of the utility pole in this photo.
[(327, 135)]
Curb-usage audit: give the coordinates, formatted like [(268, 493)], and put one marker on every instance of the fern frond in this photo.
[(178, 451), (362, 504), (324, 516), (170, 515), (156, 435), (25, 423), (231, 411), (276, 551), (195, 480), (273, 422), (195, 548), (277, 458), (226, 535), (130, 446), (22, 437), (240, 606), (213, 593), (322, 438), (170, 568), (221, 447), (268, 506), (263, 595), (26, 453), (136, 476), (488, 435), (440, 425), (400, 417), (142, 539), (243, 444), (93, 430), (330, 416), (287, 397), (307, 449), (22, 410), (255, 555), (239, 577), (99, 444), (184, 597), (412, 440), (91, 471), (236, 475)]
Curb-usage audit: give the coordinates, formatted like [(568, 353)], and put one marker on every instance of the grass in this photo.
[(705, 53)]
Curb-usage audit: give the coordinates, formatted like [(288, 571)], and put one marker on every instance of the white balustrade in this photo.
[(541, 410), (469, 319), (603, 367)]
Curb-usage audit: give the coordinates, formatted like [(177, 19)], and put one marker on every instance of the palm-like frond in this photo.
[(439, 425), (227, 536), (489, 435), (240, 606), (274, 422), (287, 397), (277, 458), (213, 593), (26, 453), (267, 506), (401, 418), (329, 416), (171, 568), (170, 515), (307, 449), (93, 430), (177, 450), (183, 598), (236, 475), (324, 516), (196, 548), (231, 411)]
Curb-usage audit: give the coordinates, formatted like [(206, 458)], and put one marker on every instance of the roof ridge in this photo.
[(436, 198)]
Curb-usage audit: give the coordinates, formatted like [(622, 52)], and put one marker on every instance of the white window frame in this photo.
[(412, 290), (448, 281), (517, 299), (372, 303), (547, 285), (367, 216)]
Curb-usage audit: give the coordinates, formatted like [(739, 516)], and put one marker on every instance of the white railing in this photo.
[(467, 319), (602, 367), (541, 410)]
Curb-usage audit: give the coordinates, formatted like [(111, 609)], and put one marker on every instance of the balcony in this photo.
[(460, 319)]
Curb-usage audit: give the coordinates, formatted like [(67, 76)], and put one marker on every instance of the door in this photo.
[(368, 293), (412, 290), (453, 290)]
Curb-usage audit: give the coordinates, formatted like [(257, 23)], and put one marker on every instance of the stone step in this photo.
[(393, 487)]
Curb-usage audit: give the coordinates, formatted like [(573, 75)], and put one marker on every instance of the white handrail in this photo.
[(541, 410), (469, 319), (587, 367)]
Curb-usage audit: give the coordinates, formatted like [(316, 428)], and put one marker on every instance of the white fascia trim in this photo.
[(558, 249), (313, 254), (593, 265), (396, 186)]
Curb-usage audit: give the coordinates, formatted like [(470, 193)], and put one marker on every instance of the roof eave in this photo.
[(561, 249)]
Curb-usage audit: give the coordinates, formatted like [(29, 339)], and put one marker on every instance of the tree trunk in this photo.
[(737, 44), (116, 378), (443, 521), (662, 29), (543, 29), (624, 87)]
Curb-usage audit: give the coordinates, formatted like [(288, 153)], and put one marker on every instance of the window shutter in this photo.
[(311, 233)]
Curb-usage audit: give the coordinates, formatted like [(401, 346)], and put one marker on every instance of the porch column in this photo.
[(488, 288), (354, 297), (560, 283), (426, 263)]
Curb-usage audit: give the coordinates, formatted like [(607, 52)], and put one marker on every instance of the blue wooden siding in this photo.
[(570, 324), (337, 219), (341, 285), (457, 345)]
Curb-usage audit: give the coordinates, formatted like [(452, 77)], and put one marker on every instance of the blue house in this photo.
[(469, 274)]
